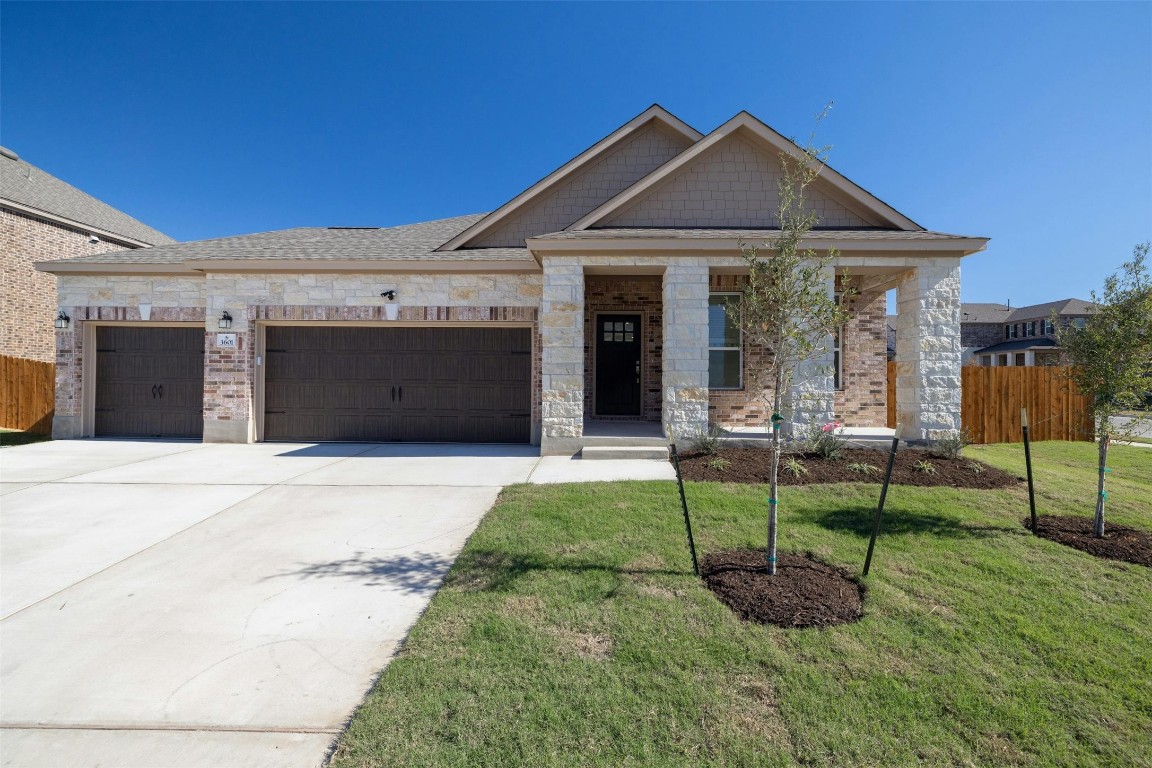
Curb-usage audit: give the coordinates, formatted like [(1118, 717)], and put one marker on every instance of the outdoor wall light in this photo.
[(225, 320), (62, 320), (390, 295)]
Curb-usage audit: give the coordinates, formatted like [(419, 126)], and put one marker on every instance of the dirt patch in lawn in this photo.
[(1119, 543), (855, 465), (803, 592)]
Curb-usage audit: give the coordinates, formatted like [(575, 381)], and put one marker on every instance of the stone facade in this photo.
[(733, 185), (635, 157), (562, 355), (928, 350), (640, 295), (229, 374), (29, 304), (685, 402)]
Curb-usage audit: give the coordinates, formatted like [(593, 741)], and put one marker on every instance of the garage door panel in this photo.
[(149, 382), (451, 384)]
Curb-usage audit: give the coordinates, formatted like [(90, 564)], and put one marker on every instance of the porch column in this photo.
[(562, 356), (228, 371), (684, 410), (813, 389), (928, 351)]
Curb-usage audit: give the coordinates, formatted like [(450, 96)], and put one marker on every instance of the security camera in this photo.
[(93, 239)]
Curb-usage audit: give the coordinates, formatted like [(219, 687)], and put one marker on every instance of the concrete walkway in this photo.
[(180, 604)]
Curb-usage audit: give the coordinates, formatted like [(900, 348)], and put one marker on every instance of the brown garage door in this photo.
[(397, 384), (149, 382)]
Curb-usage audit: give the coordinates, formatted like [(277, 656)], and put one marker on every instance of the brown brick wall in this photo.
[(863, 400), (641, 295), (28, 304), (981, 334)]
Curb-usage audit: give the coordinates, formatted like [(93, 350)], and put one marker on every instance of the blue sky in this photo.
[(1028, 123)]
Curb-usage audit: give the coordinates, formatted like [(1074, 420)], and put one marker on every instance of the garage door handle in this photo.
[(161, 391), (153, 391), (401, 394), (393, 393)]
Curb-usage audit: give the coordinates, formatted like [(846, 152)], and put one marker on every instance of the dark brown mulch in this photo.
[(803, 592), (752, 465), (1119, 543)]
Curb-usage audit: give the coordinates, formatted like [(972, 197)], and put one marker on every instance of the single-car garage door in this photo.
[(149, 382), (397, 384)]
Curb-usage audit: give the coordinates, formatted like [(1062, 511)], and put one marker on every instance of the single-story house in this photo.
[(593, 297)]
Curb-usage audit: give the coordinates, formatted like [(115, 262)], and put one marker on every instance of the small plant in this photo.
[(925, 466), (952, 446), (864, 469), (707, 441), (976, 468), (719, 463), (826, 441), (795, 467)]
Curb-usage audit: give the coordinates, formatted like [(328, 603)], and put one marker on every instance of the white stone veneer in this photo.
[(928, 351), (685, 352), (562, 356)]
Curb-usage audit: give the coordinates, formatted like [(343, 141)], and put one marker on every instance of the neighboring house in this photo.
[(597, 294), (1027, 336), (42, 218), (980, 325)]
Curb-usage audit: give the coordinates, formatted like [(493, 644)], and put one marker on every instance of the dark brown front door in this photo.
[(398, 384), (618, 365), (149, 382)]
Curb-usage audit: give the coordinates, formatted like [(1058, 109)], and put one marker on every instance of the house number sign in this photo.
[(226, 340)]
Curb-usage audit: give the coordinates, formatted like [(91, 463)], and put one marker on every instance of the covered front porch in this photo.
[(626, 351)]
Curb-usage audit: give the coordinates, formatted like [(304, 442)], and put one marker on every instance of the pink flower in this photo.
[(830, 426)]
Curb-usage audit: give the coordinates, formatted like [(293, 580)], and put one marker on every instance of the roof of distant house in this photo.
[(1018, 345), (1070, 307), (984, 313), (30, 190)]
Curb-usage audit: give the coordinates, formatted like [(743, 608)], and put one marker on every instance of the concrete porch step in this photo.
[(626, 441), (624, 452)]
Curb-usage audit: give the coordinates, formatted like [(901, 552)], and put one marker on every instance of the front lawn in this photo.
[(571, 632)]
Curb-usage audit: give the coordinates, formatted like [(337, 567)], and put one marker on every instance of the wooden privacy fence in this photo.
[(27, 394), (991, 399)]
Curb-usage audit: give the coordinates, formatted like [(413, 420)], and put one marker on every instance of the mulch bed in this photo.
[(1119, 543), (752, 465), (803, 592)]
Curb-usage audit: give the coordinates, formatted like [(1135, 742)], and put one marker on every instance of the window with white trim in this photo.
[(725, 344)]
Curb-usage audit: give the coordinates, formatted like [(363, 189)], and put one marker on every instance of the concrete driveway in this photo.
[(180, 604)]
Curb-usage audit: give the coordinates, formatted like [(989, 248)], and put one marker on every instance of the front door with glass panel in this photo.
[(618, 365)]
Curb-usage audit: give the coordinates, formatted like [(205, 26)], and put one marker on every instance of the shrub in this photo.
[(707, 441), (795, 467), (826, 441), (952, 446), (925, 466), (719, 463), (976, 468), (864, 469)]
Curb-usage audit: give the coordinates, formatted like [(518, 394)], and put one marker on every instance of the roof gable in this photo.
[(629, 153), (729, 179)]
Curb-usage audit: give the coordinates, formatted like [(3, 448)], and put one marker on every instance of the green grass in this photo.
[(571, 632), (11, 437)]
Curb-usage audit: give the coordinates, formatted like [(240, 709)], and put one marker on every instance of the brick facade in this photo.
[(29, 297), (627, 295), (860, 402), (981, 334)]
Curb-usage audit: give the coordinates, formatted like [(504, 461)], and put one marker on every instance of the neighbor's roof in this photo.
[(1018, 345), (413, 242), (1061, 307), (35, 191), (984, 313)]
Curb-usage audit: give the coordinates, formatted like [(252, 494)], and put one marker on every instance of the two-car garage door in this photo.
[(397, 384), (328, 383)]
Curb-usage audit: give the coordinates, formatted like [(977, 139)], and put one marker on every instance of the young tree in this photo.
[(1111, 356), (785, 307)]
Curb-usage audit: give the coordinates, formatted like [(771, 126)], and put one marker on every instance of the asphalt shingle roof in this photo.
[(27, 185), (1061, 307), (1018, 345), (984, 313), (417, 242)]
